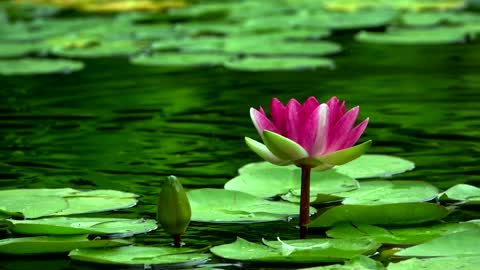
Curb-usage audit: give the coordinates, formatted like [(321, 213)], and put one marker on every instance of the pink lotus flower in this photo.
[(312, 134)]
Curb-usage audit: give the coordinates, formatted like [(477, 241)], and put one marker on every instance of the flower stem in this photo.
[(305, 202), (177, 240)]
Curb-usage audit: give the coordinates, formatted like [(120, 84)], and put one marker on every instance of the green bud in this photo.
[(173, 211)]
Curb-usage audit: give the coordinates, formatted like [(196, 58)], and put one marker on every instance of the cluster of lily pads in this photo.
[(242, 35), (356, 218)]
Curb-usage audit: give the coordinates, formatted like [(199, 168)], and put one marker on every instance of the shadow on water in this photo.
[(123, 126)]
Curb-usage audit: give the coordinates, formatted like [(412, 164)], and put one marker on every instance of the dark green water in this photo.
[(119, 126)]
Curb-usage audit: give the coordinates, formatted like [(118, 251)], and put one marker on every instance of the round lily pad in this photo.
[(270, 180), (296, 251), (35, 203), (367, 166), (54, 244), (463, 243), (468, 194), (260, 46), (359, 262), (11, 49), (179, 59), (98, 49), (384, 214), (452, 262), (403, 236), (385, 192), (29, 66), (140, 255), (83, 225), (278, 63), (222, 206), (439, 35)]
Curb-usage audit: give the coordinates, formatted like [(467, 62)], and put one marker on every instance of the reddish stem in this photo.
[(177, 240), (305, 202)]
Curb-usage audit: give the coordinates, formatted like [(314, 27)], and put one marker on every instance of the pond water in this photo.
[(118, 126)]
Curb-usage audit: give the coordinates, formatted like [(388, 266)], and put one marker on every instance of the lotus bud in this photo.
[(173, 211)]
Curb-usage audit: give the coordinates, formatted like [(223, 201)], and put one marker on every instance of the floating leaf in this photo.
[(28, 66), (461, 262), (53, 244), (349, 20), (386, 192), (457, 244), (385, 214), (356, 263), (260, 46), (140, 255), (305, 251), (439, 35), (218, 205), (413, 5), (367, 166), (100, 49), (270, 180), (403, 236), (462, 192), (279, 63), (35, 203), (11, 49), (179, 59), (434, 18), (83, 225), (198, 44)]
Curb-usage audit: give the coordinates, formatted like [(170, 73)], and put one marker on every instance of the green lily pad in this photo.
[(53, 244), (262, 180), (356, 263), (278, 63), (460, 263), (179, 59), (411, 5), (140, 255), (29, 66), (296, 251), (367, 166), (99, 49), (403, 236), (260, 46), (439, 35), (219, 205), (385, 214), (35, 203), (462, 192), (11, 49), (457, 244), (387, 192), (434, 18), (349, 20), (83, 225), (198, 44)]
